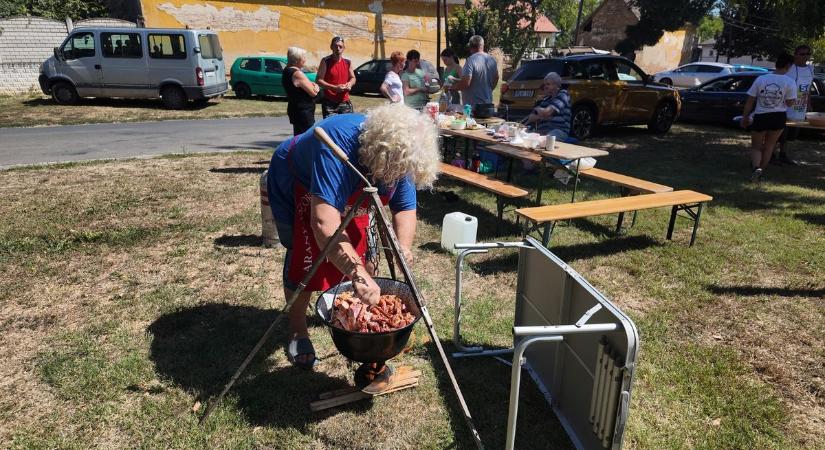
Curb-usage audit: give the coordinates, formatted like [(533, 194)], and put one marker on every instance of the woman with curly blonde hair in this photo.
[(310, 190)]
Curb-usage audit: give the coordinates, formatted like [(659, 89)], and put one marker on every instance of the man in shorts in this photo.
[(803, 75), (336, 77)]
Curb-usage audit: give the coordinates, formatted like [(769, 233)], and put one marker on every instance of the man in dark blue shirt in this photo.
[(551, 116)]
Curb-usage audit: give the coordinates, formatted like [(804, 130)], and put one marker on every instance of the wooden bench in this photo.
[(627, 186), (504, 192), (689, 201)]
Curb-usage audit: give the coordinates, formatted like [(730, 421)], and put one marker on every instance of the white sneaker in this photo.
[(755, 175)]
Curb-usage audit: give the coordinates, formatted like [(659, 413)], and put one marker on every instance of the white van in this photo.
[(176, 65)]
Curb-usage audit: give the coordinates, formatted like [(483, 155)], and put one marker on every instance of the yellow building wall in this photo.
[(672, 50), (270, 27)]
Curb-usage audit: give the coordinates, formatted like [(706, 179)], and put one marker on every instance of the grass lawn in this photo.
[(131, 290), (36, 109)]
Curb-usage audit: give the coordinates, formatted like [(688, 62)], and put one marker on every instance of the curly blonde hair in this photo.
[(397, 141)]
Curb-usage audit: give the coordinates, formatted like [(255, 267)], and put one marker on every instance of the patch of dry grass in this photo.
[(128, 293), (38, 110)]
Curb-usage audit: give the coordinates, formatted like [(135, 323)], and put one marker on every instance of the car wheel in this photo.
[(663, 118), (64, 93), (582, 121), (666, 81), (242, 90), (173, 97)]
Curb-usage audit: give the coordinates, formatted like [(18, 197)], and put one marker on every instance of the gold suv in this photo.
[(604, 89)]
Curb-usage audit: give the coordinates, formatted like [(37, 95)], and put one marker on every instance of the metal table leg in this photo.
[(576, 182)]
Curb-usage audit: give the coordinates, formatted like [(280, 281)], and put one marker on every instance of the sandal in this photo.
[(298, 347)]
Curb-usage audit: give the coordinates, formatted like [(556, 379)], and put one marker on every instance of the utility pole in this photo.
[(438, 36), (578, 23)]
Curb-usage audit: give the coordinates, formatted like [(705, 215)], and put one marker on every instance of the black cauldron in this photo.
[(369, 347)]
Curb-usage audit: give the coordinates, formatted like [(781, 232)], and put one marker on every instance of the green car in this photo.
[(259, 75)]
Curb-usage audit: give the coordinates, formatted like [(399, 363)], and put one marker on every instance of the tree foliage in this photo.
[(468, 21), (54, 9), (710, 27), (658, 16), (516, 25), (563, 14), (768, 27)]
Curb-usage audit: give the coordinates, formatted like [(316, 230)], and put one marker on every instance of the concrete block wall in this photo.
[(25, 42)]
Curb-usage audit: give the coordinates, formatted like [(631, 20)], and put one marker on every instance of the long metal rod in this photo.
[(564, 329), (301, 286), (459, 264), (515, 382), (428, 321)]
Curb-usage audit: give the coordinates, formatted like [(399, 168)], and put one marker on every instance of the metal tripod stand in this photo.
[(369, 194)]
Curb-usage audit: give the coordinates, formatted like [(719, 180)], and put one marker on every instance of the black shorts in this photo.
[(301, 120), (771, 121)]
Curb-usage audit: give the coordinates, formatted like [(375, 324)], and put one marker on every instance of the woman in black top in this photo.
[(300, 92)]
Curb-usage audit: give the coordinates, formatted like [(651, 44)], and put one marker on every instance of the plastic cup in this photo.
[(550, 143)]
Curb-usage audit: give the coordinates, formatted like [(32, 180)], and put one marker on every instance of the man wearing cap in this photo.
[(479, 76), (336, 77)]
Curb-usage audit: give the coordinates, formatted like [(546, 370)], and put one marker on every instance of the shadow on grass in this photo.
[(434, 205), (200, 348), (239, 240), (120, 103), (758, 290), (508, 262), (485, 385), (237, 170), (813, 219)]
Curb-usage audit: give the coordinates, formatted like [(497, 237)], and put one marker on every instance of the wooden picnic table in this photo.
[(804, 124), (562, 151)]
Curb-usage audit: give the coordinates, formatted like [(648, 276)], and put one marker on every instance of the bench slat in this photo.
[(551, 213), (482, 181), (635, 184)]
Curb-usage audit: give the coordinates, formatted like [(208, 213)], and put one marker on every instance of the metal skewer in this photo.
[(386, 231)]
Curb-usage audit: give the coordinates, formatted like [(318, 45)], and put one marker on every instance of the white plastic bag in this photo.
[(583, 164)]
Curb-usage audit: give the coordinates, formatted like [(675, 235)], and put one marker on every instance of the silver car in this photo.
[(176, 65), (694, 74)]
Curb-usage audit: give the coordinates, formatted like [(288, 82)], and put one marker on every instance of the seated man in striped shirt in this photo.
[(551, 116)]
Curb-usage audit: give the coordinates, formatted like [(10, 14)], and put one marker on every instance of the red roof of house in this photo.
[(543, 25)]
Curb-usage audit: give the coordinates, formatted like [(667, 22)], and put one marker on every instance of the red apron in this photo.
[(304, 247)]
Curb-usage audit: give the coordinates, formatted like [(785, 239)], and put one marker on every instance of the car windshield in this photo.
[(537, 69)]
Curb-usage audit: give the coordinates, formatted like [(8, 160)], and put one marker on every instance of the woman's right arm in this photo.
[(300, 80), (746, 112)]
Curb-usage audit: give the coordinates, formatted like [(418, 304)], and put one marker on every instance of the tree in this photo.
[(710, 27), (468, 21), (658, 16), (768, 27), (54, 9), (516, 25), (563, 13)]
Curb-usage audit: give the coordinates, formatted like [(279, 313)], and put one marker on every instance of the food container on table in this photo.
[(458, 228), (816, 119), (458, 125), (368, 347)]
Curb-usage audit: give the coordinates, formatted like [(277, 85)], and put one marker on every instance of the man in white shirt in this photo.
[(803, 75)]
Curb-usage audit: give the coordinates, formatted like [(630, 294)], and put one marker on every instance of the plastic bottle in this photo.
[(458, 228), (476, 163), (468, 110)]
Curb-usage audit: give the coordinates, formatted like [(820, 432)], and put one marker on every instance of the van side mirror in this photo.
[(58, 54)]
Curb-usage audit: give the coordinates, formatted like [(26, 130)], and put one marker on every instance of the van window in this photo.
[(80, 45), (121, 45), (273, 66), (167, 46), (210, 46), (251, 64)]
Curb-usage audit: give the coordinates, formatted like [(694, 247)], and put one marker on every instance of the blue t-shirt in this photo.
[(315, 166)]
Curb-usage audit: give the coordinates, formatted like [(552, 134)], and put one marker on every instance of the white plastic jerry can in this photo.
[(458, 228)]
